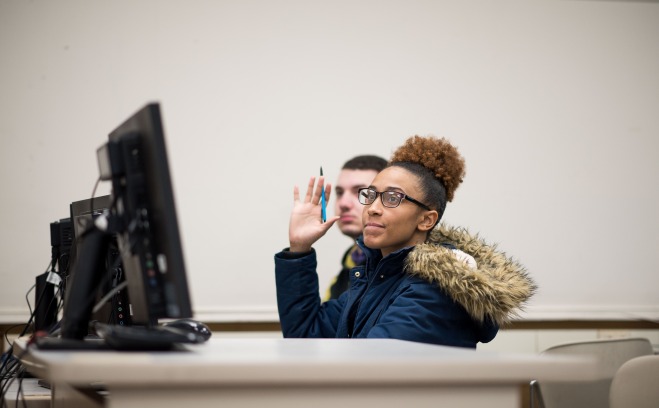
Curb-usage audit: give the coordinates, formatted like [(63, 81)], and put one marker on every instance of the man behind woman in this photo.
[(356, 173)]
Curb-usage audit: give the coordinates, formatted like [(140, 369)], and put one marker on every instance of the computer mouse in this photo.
[(191, 325)]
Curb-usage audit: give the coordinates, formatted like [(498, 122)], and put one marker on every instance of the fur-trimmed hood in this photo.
[(496, 289)]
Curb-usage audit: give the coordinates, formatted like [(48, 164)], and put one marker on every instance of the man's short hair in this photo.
[(365, 162)]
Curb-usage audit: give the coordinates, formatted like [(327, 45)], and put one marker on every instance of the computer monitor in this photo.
[(135, 160), (117, 309), (143, 217), (84, 212)]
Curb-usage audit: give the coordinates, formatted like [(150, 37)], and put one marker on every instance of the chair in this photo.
[(636, 384), (611, 354)]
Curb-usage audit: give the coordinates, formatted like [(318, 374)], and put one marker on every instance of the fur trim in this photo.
[(497, 289)]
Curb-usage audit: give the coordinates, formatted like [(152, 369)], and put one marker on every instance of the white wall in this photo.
[(554, 104)]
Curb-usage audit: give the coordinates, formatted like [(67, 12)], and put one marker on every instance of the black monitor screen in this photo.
[(135, 159)]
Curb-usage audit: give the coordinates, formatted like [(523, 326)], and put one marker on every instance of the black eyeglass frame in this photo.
[(402, 196)]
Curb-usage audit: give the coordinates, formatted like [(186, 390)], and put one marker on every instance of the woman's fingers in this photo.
[(328, 191), (296, 194), (307, 197), (313, 194), (318, 191)]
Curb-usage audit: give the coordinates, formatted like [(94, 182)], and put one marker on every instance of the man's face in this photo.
[(347, 203)]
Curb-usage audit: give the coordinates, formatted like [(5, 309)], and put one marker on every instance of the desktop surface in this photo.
[(284, 371), (342, 360)]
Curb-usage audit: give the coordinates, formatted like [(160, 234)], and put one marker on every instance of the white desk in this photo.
[(304, 372)]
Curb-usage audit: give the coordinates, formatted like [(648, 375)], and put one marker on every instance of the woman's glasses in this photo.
[(390, 199)]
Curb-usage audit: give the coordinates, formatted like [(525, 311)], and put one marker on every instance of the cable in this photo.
[(27, 299), (60, 306), (12, 370), (109, 296), (36, 304), (11, 366)]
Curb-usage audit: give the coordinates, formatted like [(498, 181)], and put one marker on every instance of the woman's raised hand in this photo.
[(306, 226)]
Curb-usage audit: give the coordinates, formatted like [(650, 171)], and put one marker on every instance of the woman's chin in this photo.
[(370, 242)]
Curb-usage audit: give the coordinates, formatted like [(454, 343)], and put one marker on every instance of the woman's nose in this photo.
[(375, 207)]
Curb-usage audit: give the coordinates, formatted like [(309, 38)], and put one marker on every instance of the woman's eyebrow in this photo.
[(390, 188)]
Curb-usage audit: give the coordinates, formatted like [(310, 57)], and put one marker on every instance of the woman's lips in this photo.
[(373, 226)]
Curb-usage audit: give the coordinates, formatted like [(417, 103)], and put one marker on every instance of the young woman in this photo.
[(422, 280)]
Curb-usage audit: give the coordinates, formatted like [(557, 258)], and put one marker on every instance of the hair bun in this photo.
[(437, 155)]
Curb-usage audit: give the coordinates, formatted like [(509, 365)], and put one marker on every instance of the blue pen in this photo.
[(323, 204)]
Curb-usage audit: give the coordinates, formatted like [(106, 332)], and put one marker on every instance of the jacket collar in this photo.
[(496, 289)]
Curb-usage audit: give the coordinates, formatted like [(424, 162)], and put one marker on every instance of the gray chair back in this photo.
[(636, 384), (610, 354)]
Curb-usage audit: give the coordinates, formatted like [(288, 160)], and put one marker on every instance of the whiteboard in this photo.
[(554, 105)]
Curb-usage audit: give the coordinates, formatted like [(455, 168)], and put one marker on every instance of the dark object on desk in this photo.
[(63, 343), (141, 338), (192, 326), (81, 291), (46, 287), (133, 338)]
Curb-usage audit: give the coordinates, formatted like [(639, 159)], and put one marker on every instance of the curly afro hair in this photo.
[(438, 156)]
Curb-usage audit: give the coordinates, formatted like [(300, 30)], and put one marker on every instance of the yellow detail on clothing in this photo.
[(348, 263)]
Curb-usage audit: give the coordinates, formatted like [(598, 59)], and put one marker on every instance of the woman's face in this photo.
[(390, 229)]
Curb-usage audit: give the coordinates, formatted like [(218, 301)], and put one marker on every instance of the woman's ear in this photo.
[(428, 221)]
